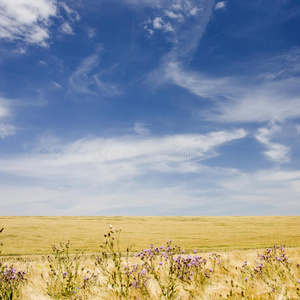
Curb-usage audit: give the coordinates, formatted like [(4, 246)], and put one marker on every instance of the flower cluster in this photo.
[(65, 280), (10, 281)]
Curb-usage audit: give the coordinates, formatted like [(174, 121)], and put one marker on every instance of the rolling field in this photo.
[(235, 258), (35, 235)]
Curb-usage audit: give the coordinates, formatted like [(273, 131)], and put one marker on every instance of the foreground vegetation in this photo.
[(158, 272)]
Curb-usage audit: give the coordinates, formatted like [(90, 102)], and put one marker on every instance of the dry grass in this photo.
[(222, 285), (35, 235), (26, 236)]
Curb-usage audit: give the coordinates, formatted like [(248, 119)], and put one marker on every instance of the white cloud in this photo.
[(108, 89), (220, 5), (4, 111), (92, 32), (81, 79), (55, 85), (103, 160), (194, 11), (103, 169), (275, 101), (168, 27), (157, 23), (42, 63), (176, 6), (196, 83), (173, 15), (140, 129), (278, 175), (276, 152), (145, 2), (121, 189), (87, 79), (258, 109), (119, 174), (265, 190), (20, 50), (72, 14), (6, 130), (66, 28), (151, 32), (28, 20)]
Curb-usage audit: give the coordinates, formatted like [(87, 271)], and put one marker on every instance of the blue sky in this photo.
[(149, 107)]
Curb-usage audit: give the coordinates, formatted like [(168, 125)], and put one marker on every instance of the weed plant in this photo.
[(168, 272), (158, 272), (64, 278), (11, 280)]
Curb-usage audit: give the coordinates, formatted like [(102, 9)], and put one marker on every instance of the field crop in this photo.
[(165, 271), (35, 235)]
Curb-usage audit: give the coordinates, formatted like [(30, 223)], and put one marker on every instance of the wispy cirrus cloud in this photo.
[(272, 95), (6, 130), (265, 190), (271, 101), (140, 129), (116, 158), (197, 83), (88, 78), (94, 167), (275, 151), (4, 110), (120, 188), (81, 79), (264, 101)]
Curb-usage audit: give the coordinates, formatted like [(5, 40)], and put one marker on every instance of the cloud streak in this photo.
[(276, 152), (6, 130), (88, 79), (113, 159), (197, 83), (210, 191), (267, 101), (4, 111)]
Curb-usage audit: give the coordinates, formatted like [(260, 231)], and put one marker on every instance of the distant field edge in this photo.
[(34, 235)]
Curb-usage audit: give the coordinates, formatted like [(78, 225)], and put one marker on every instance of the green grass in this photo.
[(35, 235)]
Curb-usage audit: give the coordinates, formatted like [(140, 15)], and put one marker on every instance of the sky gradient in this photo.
[(149, 107)]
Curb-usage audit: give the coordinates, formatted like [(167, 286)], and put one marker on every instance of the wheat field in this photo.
[(139, 258), (34, 235)]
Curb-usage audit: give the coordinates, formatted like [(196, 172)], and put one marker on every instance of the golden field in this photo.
[(35, 235), (231, 262)]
